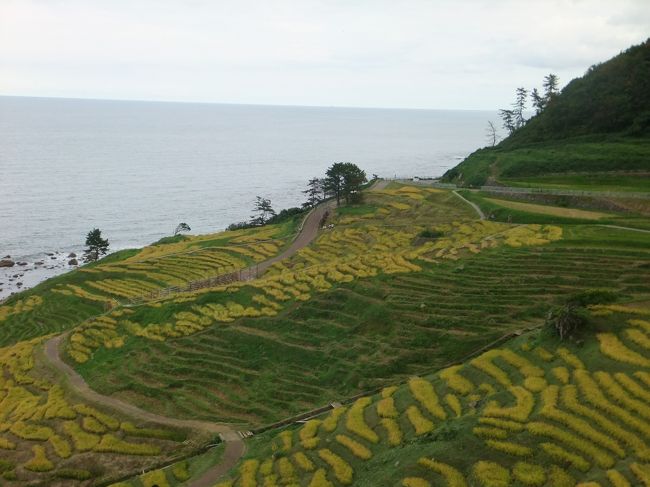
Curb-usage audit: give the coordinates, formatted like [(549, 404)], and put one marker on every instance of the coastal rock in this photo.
[(49, 253), (21, 263), (53, 258), (73, 262), (19, 284), (7, 263), (71, 255), (40, 262)]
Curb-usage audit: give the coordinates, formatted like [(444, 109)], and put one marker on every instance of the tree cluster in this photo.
[(342, 181), (513, 119)]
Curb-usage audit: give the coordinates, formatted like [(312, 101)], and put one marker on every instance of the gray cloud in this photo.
[(415, 53)]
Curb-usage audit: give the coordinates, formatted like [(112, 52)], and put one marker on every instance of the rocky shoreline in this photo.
[(20, 274)]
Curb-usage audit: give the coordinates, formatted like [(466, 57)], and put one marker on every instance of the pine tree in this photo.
[(95, 245), (315, 192), (263, 211)]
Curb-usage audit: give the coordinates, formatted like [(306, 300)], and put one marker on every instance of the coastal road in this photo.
[(235, 447)]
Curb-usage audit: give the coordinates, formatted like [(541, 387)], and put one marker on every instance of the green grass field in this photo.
[(598, 157)]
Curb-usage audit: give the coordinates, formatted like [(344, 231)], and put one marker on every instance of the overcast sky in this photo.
[(463, 54)]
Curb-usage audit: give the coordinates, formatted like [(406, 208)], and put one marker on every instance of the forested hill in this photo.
[(609, 105)]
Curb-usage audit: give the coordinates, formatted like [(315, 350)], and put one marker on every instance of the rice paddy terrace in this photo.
[(401, 286)]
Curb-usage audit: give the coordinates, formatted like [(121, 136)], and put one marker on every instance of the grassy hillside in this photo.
[(369, 303), (404, 284), (537, 411), (600, 123)]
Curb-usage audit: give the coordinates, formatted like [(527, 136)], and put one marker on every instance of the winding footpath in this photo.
[(235, 447)]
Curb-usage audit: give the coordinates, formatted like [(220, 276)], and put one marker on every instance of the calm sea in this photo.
[(137, 169)]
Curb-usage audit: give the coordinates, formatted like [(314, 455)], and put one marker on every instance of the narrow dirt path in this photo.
[(474, 205), (235, 447)]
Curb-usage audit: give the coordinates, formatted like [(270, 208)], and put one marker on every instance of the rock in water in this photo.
[(7, 263), (71, 255), (73, 262)]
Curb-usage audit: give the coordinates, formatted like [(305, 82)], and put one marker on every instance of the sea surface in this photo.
[(137, 169)]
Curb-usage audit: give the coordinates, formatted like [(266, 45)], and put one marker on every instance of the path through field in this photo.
[(235, 447)]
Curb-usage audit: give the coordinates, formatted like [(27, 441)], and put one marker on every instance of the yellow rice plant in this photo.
[(426, 395), (643, 377), (620, 395), (570, 358), (386, 408), (39, 462), (561, 374), (505, 424), (82, 441), (31, 431), (342, 469), (155, 478), (393, 431), (61, 446), (535, 384), (21, 306), (571, 422), (388, 391), (529, 474), (601, 457), (111, 444), (6, 444), (421, 424), (617, 479), (180, 471), (266, 468), (490, 432), (105, 419), (509, 448), (638, 337), (593, 394), (454, 404), (319, 479), (356, 423), (455, 381), (91, 425), (331, 421), (415, 482), (642, 472), (526, 368), (612, 347), (248, 473), (285, 441), (486, 389), (452, 477), (303, 461), (307, 434), (525, 402), (287, 472), (544, 354), (356, 448), (633, 387), (490, 474), (558, 477), (570, 401), (563, 456), (484, 363)]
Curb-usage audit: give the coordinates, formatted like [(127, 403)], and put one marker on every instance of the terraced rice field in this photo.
[(68, 300), (537, 412), (299, 340), (49, 437)]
